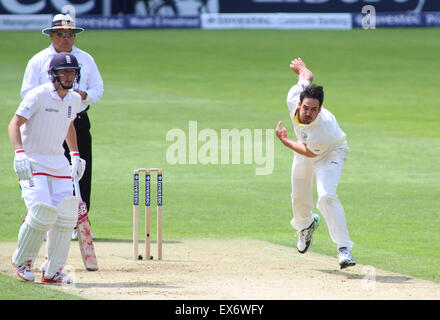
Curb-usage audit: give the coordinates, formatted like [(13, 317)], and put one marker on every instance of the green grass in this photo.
[(12, 289), (381, 85)]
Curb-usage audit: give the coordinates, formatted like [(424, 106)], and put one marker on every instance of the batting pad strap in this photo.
[(68, 212), (41, 217)]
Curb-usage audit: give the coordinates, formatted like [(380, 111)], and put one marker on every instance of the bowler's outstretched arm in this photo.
[(299, 67)]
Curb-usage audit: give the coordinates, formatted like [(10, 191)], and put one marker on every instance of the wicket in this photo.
[(147, 212)]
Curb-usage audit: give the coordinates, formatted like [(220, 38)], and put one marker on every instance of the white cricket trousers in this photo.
[(45, 189), (325, 171), (52, 209)]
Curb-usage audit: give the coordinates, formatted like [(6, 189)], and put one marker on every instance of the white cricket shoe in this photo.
[(59, 277), (305, 235), (345, 258), (24, 272)]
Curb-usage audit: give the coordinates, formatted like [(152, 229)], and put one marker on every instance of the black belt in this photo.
[(82, 119), (85, 110)]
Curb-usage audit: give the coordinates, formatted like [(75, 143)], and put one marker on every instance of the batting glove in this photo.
[(22, 165), (78, 166)]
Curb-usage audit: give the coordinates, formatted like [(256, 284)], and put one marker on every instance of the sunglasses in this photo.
[(63, 33)]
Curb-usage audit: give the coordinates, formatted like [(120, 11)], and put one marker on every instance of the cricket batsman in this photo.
[(319, 157), (42, 122)]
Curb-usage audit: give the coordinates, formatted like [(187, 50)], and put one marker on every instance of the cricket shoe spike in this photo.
[(24, 272), (305, 236), (59, 277), (345, 258)]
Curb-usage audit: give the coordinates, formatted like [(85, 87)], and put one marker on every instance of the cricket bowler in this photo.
[(319, 157)]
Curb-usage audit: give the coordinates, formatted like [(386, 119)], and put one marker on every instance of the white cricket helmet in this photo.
[(60, 22)]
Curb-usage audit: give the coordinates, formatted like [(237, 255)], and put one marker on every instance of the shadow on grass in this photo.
[(378, 278)]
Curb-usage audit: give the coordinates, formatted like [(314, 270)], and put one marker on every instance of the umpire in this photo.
[(91, 87)]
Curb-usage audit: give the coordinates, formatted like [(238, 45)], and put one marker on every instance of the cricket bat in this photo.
[(85, 240)]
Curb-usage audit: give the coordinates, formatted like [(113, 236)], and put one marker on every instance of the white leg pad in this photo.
[(59, 236), (39, 220)]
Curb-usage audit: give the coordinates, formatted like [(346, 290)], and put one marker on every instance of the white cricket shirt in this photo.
[(49, 119), (323, 134), (91, 80)]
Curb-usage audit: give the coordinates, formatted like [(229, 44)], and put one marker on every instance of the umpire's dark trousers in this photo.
[(84, 140)]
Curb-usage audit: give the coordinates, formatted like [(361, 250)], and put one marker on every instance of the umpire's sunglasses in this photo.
[(64, 33)]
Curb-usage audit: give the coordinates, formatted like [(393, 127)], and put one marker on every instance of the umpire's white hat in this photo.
[(60, 22)]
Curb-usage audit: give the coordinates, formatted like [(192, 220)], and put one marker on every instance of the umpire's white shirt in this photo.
[(323, 134), (49, 118), (91, 80)]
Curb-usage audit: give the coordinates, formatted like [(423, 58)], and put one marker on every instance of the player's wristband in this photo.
[(74, 154), (19, 150)]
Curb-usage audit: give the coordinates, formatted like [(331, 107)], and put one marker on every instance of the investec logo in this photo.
[(257, 19), (51, 110), (318, 2), (222, 148)]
